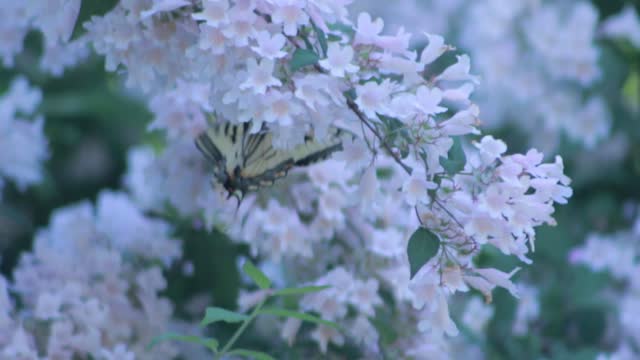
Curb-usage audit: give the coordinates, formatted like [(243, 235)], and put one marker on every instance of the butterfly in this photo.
[(244, 161)]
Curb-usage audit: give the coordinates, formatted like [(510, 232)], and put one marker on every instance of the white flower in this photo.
[(500, 278), (163, 6), (368, 186), (528, 308), (389, 243), (626, 24), (290, 330), (365, 296), (338, 60), (440, 320), (325, 334), (119, 352), (435, 48), (367, 31), (373, 97), (331, 204), (212, 39), (20, 346), (364, 331), (427, 100), (280, 108), (48, 306), (260, 76), (415, 188), (355, 154), (452, 279), (290, 14), (56, 28), (214, 12), (464, 122), (476, 315), (490, 148), (424, 289), (459, 71), (312, 90), (241, 26), (269, 47), (460, 94), (23, 146)]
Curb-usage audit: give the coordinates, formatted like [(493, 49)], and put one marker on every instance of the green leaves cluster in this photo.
[(217, 314)]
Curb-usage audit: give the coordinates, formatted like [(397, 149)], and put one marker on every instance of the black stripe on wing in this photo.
[(209, 149), (266, 178), (318, 155), (251, 144)]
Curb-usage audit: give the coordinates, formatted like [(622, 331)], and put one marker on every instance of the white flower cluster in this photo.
[(333, 304), (540, 56), (23, 146), (303, 65), (618, 255), (90, 286), (55, 19)]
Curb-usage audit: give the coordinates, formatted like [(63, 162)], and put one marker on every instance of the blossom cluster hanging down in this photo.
[(542, 56)]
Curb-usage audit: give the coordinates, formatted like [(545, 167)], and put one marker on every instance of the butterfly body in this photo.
[(244, 162)]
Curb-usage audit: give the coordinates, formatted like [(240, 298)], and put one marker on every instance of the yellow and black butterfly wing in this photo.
[(221, 144), (263, 164), (245, 162)]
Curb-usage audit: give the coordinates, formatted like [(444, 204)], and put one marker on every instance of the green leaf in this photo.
[(212, 344), (322, 38), (456, 159), (300, 290), (256, 275), (258, 355), (215, 314), (297, 315), (423, 245), (302, 58)]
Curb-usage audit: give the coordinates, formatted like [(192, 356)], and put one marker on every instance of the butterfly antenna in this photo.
[(237, 207), (239, 198)]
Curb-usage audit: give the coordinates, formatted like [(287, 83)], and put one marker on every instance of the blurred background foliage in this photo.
[(91, 121)]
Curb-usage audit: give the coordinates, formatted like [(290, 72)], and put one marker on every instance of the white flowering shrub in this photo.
[(417, 211)]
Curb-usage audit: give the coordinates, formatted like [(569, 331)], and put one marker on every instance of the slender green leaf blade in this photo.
[(212, 344), (256, 275), (258, 355), (302, 58), (423, 245), (215, 314), (298, 315), (300, 291)]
